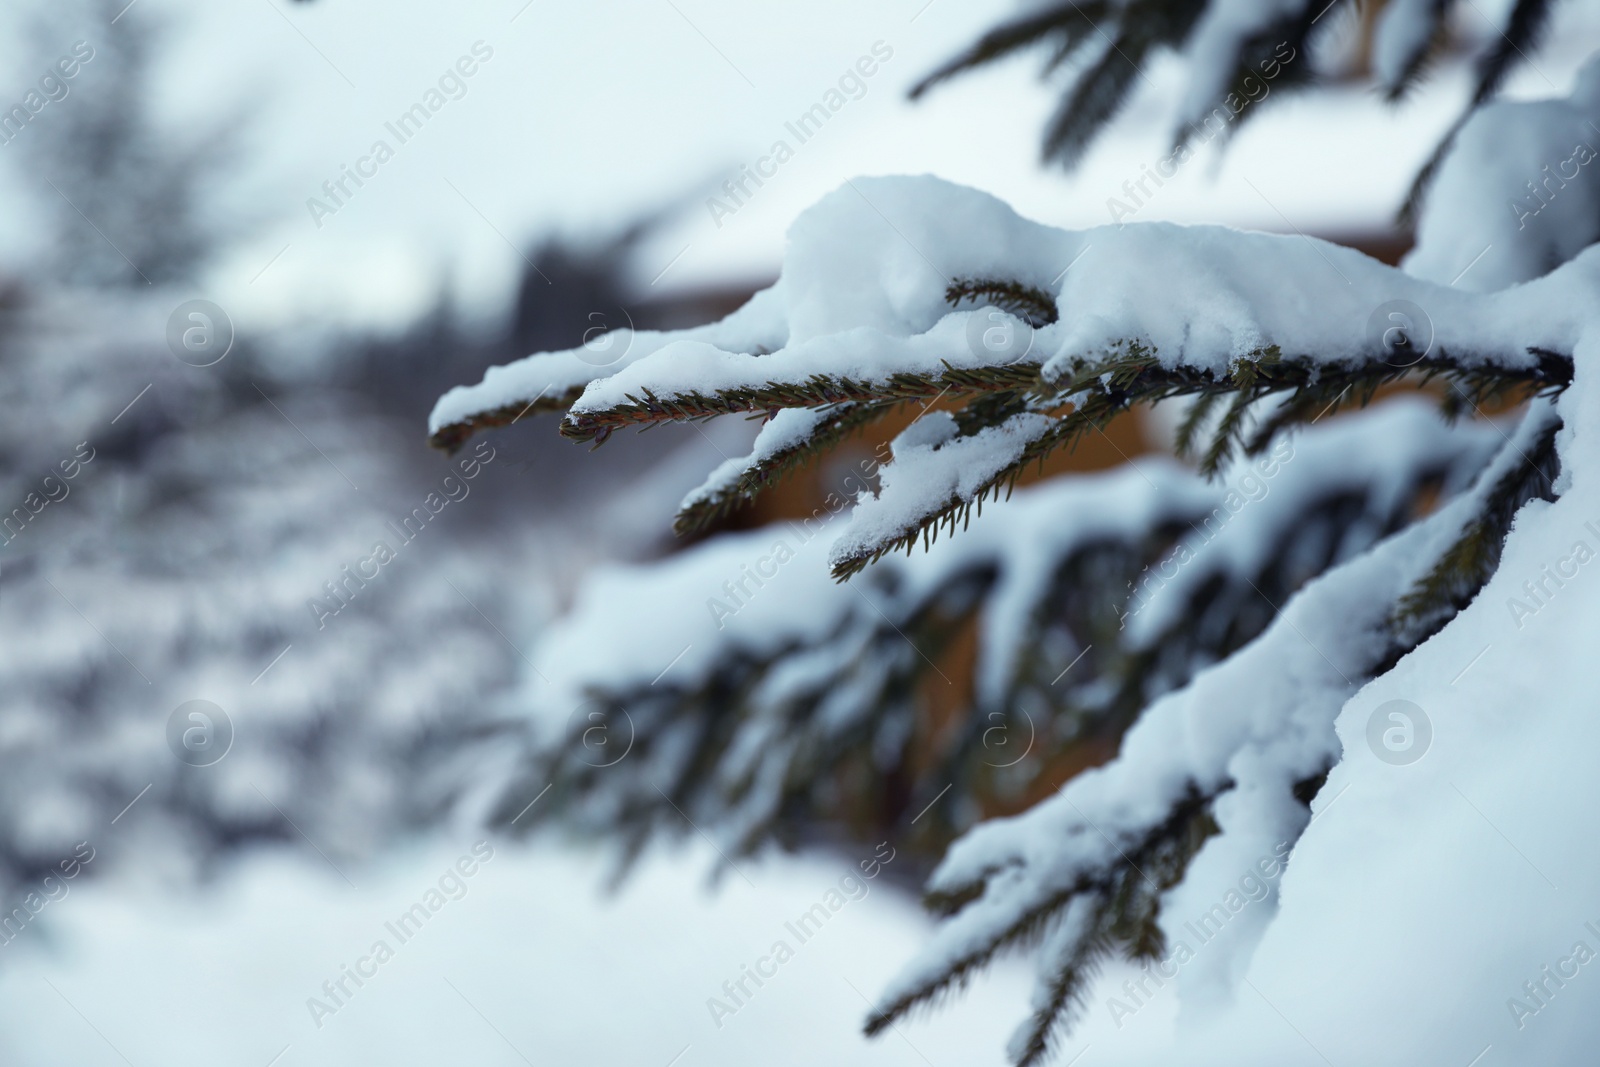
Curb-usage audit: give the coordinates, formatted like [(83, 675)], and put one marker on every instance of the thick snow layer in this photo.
[(933, 474), (1517, 194), (553, 375), (862, 296)]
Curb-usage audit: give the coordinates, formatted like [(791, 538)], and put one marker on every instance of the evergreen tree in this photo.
[(1189, 633)]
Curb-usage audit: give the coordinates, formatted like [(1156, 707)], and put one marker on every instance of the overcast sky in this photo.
[(588, 114)]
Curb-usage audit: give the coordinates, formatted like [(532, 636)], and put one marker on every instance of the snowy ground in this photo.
[(527, 963)]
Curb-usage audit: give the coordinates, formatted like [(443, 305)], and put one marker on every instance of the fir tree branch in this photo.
[(1101, 391), (1466, 566), (1193, 420), (1027, 302), (701, 512), (1140, 28), (1519, 38), (1066, 992), (1125, 884), (1068, 25), (817, 390), (450, 438)]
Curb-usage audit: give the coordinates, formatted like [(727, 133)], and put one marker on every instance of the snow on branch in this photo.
[(1218, 765), (1234, 53), (862, 319), (552, 381), (755, 687)]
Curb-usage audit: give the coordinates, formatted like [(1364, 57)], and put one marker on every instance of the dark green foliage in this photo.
[(1123, 920), (1267, 394), (1520, 37), (1469, 562), (1027, 302), (1064, 27), (1129, 36), (818, 390), (1123, 902), (686, 741), (1101, 390), (760, 750), (889, 774), (1417, 62), (1099, 93), (450, 438)]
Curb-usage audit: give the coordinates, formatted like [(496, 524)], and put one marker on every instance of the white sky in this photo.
[(589, 114)]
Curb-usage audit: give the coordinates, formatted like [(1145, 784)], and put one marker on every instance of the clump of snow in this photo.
[(787, 429), (754, 327), (862, 297), (930, 475), (1517, 195)]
